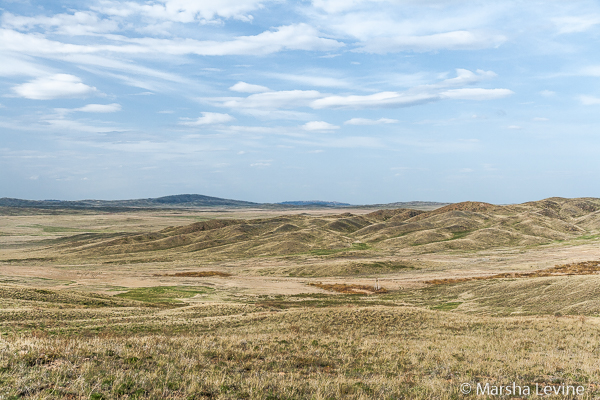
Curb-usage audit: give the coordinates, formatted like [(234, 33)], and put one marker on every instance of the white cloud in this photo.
[(589, 100), (209, 118), (184, 10), (466, 77), (100, 108), (540, 119), (572, 24), (384, 26), (365, 121), (319, 126), (54, 87), (244, 87), (78, 23), (414, 96), (476, 94), (515, 127), (456, 40), (382, 99), (273, 100), (290, 37), (547, 93)]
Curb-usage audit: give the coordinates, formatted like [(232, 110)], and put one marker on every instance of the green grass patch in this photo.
[(587, 237), (447, 306), (60, 229), (459, 235), (389, 265), (164, 294)]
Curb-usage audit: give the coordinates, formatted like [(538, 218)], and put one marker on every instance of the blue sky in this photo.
[(360, 101)]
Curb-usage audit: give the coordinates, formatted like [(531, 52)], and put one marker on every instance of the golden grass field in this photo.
[(271, 304)]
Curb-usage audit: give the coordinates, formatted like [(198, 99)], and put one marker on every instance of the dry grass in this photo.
[(368, 352)]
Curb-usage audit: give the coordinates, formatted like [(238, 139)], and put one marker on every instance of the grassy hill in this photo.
[(468, 226)]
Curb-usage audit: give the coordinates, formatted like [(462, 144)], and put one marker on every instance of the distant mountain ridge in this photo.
[(315, 203), (181, 200), (192, 201)]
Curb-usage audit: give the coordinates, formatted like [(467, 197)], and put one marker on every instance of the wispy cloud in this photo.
[(184, 10), (272, 100), (78, 23), (414, 96), (366, 121), (589, 100), (456, 40), (576, 24), (476, 94), (313, 80), (13, 65), (290, 37)]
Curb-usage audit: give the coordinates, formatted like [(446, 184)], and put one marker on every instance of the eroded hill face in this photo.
[(464, 226)]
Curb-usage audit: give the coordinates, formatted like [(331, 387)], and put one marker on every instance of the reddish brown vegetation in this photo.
[(581, 268), (349, 289), (198, 274)]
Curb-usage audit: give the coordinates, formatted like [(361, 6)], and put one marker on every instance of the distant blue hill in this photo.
[(315, 203), (181, 200)]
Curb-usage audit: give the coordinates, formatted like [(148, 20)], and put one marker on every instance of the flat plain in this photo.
[(305, 303)]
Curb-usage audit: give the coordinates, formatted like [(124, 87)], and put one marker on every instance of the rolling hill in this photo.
[(467, 226)]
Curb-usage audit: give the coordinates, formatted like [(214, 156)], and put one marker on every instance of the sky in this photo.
[(358, 101)]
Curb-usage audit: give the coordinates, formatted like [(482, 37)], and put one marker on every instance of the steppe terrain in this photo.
[(259, 303)]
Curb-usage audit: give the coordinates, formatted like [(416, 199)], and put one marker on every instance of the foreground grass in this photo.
[(255, 351)]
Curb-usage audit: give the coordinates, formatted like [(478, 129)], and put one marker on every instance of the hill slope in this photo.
[(462, 227)]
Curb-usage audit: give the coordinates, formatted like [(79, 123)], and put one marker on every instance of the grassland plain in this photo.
[(247, 304)]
